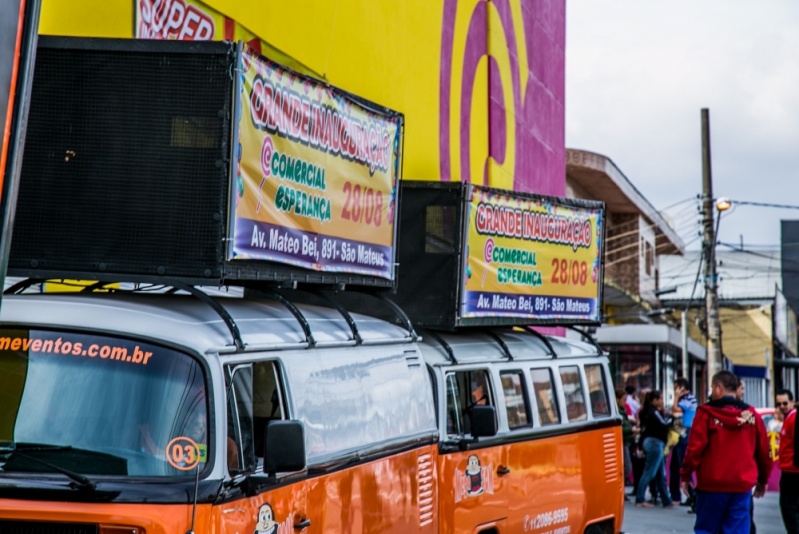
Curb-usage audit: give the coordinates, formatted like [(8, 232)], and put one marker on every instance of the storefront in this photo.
[(649, 356)]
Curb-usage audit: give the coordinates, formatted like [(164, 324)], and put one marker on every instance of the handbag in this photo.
[(672, 440)]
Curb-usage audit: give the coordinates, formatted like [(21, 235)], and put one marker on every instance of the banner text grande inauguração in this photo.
[(316, 174)]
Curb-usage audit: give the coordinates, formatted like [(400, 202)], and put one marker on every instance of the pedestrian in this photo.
[(639, 458), (627, 436), (739, 394), (789, 465), (728, 451), (685, 403), (783, 402), (655, 425), (631, 402)]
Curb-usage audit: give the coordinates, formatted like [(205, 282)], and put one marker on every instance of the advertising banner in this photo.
[(533, 257), (316, 174)]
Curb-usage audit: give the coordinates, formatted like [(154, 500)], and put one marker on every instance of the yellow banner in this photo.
[(316, 176), (532, 256)]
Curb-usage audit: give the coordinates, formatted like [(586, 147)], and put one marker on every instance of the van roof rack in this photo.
[(22, 285), (543, 338), (267, 290), (501, 343), (356, 335), (444, 345), (380, 295), (588, 338), (295, 311)]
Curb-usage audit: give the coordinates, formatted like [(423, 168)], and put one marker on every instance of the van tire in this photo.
[(605, 527)]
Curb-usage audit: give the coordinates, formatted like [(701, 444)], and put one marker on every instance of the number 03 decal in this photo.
[(183, 453)]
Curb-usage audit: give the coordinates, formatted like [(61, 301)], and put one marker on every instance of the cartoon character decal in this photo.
[(474, 480), (266, 520), (474, 475)]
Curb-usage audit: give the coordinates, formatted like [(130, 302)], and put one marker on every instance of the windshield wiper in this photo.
[(78, 481)]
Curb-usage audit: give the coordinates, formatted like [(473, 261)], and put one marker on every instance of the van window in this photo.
[(597, 391), (573, 391), (255, 399), (100, 405), (515, 399), (466, 389), (545, 396)]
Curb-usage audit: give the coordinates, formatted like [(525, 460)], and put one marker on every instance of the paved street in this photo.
[(677, 520)]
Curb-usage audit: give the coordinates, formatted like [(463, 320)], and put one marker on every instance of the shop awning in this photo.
[(647, 334)]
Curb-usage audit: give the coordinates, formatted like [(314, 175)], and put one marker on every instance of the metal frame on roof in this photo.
[(501, 343), (446, 346), (588, 338), (496, 337), (22, 285), (267, 291), (544, 339)]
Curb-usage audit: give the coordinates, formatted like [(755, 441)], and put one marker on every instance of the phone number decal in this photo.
[(548, 519)]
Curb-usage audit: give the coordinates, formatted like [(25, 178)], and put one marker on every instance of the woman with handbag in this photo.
[(655, 425)]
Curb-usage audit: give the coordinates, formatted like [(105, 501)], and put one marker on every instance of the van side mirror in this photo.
[(284, 446), (483, 420)]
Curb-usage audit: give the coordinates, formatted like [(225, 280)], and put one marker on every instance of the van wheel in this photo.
[(606, 527)]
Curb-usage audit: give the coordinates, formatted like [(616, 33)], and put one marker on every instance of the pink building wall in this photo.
[(526, 92)]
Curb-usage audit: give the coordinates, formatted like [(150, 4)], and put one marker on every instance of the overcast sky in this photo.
[(638, 72)]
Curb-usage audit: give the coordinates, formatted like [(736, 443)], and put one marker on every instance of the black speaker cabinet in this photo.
[(127, 163)]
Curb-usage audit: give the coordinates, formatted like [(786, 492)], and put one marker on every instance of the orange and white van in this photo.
[(529, 434), (152, 414), (166, 413)]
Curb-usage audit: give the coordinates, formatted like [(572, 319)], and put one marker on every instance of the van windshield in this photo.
[(97, 405)]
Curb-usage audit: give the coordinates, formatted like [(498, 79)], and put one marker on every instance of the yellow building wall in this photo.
[(481, 84), (746, 335), (87, 18)]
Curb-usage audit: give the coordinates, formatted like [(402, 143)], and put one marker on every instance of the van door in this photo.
[(473, 490), (542, 466), (256, 397)]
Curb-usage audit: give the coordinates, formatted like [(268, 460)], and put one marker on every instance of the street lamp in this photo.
[(723, 204)]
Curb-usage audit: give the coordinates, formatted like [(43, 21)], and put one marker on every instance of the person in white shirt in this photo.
[(632, 402)]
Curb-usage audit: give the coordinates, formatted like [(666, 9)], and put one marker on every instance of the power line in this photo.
[(764, 204)]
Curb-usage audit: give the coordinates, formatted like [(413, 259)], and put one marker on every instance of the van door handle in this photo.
[(302, 524), (502, 470)]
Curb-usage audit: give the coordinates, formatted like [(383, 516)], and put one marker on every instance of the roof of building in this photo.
[(745, 275), (601, 179)]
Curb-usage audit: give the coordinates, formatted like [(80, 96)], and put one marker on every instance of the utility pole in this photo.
[(709, 244)]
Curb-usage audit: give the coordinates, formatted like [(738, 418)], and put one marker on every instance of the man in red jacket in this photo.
[(728, 450), (789, 479)]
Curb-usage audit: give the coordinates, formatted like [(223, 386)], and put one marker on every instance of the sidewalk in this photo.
[(677, 520)]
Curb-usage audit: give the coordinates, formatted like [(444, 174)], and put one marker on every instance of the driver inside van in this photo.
[(479, 389)]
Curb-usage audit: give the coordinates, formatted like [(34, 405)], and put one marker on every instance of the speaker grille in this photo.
[(126, 160), (430, 253)]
